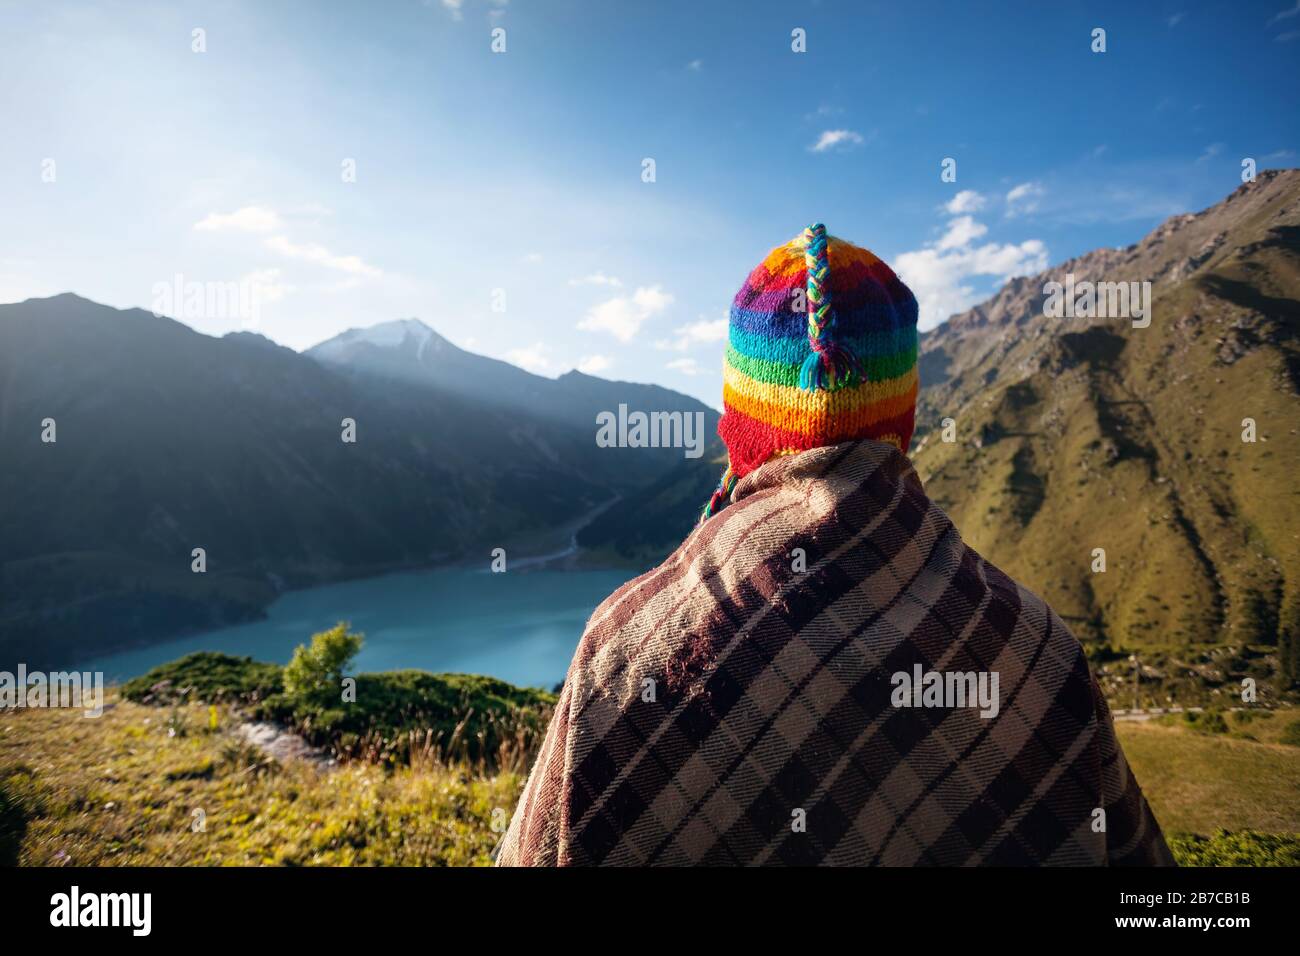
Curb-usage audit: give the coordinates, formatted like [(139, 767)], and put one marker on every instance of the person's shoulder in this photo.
[(657, 616), (1032, 627), (630, 601)]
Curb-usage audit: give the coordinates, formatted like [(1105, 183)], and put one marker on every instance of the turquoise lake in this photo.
[(520, 626)]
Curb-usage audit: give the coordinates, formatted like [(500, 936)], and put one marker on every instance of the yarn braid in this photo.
[(726, 485), (830, 365)]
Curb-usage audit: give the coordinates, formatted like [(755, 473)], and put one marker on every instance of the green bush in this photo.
[(1206, 721), (467, 715), (1243, 848), (208, 677), (313, 678)]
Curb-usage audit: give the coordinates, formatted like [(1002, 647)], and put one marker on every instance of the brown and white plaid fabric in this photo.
[(718, 699)]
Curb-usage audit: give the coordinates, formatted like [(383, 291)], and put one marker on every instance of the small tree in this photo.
[(315, 674)]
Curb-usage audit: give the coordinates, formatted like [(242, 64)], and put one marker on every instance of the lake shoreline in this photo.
[(544, 549), (520, 626)]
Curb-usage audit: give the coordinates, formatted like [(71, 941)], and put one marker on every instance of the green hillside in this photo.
[(1078, 434)]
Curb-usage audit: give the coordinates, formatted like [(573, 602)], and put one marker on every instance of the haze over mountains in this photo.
[(409, 351), (170, 440)]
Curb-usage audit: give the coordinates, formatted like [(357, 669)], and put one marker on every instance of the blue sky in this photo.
[(499, 196)]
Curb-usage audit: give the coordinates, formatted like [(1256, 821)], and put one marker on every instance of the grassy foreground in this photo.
[(124, 790), (1239, 773), (167, 780)]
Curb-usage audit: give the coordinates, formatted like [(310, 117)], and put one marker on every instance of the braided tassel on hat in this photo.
[(718, 501), (830, 365)]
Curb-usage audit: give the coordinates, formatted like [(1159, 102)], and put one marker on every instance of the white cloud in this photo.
[(1176, 19), (313, 252), (1286, 14), (623, 317), (968, 200), (591, 364), (267, 285), (457, 8), (687, 366), (703, 332), (961, 231), (1214, 149), (939, 275), (534, 358), (247, 219), (532, 257), (1024, 198), (598, 278), (260, 219), (831, 138), (695, 66)]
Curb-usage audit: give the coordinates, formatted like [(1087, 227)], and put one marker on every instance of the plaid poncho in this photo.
[(731, 707)]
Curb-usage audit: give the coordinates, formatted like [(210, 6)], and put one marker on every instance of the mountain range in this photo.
[(167, 440), (1100, 461)]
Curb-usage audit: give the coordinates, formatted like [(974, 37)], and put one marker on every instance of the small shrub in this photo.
[(313, 678), (1206, 721)]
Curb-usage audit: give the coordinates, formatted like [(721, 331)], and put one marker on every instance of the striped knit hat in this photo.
[(822, 349)]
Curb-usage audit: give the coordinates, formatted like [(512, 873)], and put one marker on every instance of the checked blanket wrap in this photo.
[(727, 709)]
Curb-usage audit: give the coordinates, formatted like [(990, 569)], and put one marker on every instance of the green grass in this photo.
[(1222, 798), (1246, 848), (123, 790), (1291, 734)]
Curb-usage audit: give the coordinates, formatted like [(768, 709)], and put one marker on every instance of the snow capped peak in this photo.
[(409, 336), (395, 333)]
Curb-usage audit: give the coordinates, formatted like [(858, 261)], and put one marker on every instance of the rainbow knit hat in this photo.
[(822, 349)]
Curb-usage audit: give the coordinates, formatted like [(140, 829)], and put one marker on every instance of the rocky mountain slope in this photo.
[(1076, 434)]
